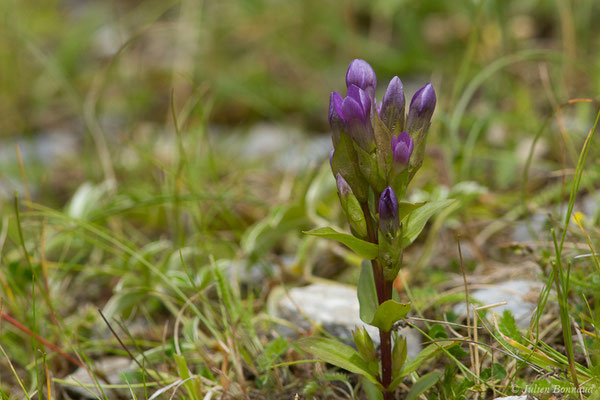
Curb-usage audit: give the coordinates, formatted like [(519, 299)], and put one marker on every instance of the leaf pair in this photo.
[(413, 217), (343, 356)]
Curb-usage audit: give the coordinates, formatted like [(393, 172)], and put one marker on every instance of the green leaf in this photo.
[(367, 293), (499, 372), (428, 352), (415, 222), (371, 391), (382, 316), (508, 326), (362, 248), (185, 375), (388, 313), (404, 208), (437, 331), (424, 383), (338, 354)]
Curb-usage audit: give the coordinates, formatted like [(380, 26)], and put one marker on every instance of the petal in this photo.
[(361, 74)]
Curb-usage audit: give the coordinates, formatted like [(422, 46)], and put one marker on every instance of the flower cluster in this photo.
[(378, 148)]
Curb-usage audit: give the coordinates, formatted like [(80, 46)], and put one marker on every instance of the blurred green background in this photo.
[(106, 71), (276, 60)]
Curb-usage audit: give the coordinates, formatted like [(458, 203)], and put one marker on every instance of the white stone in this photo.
[(111, 367), (335, 307), (520, 296)]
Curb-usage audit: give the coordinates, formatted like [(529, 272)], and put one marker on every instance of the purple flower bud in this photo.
[(342, 186), (356, 114), (402, 147), (361, 97), (392, 106), (335, 119), (362, 75), (364, 344), (352, 110), (389, 221), (421, 108), (331, 158), (351, 207)]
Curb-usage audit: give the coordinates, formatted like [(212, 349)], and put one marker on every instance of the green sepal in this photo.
[(345, 162), (419, 134), (398, 354), (383, 140), (363, 248), (367, 164), (364, 344), (356, 217), (398, 179), (390, 254)]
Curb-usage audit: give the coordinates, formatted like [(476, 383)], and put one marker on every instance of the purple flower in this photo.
[(392, 106), (421, 108), (362, 75), (389, 221), (402, 147), (335, 120), (353, 113)]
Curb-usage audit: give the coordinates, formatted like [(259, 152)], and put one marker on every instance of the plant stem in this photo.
[(385, 338), (384, 293)]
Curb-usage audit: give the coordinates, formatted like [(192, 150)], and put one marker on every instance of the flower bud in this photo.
[(356, 113), (402, 148), (361, 74), (335, 120), (364, 344), (421, 109), (392, 106), (417, 124), (389, 221), (399, 353), (343, 188), (351, 207), (389, 235)]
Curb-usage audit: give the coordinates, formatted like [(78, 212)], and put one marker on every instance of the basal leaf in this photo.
[(428, 352), (424, 383), (364, 249), (338, 354)]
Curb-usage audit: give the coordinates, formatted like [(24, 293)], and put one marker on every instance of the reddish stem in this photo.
[(384, 293), (45, 342)]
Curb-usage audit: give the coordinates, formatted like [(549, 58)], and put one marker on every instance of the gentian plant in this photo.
[(377, 150)]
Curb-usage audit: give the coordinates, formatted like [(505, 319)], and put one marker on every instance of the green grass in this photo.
[(156, 215)]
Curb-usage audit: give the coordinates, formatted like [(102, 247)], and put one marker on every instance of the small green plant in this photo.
[(377, 151)]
